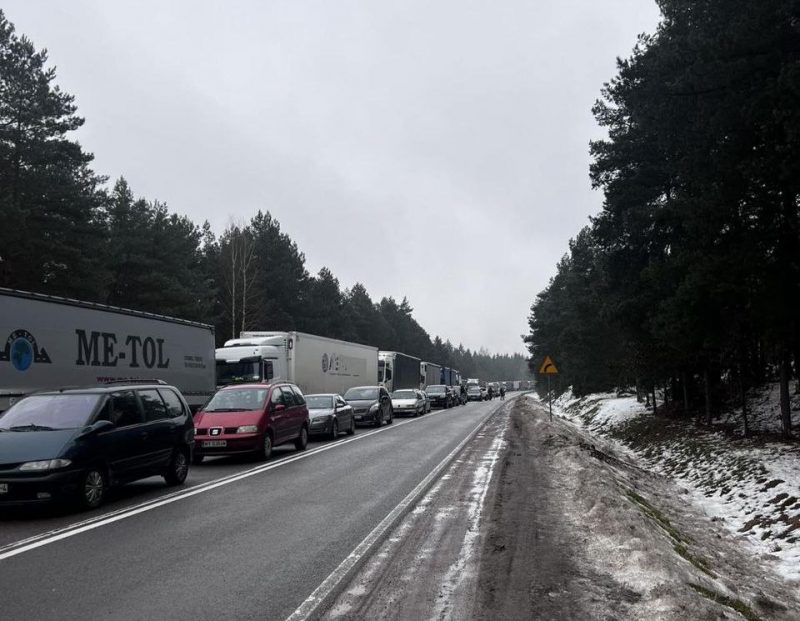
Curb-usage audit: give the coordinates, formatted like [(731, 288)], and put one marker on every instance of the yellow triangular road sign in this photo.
[(548, 367)]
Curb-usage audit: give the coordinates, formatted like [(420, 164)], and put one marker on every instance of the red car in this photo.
[(251, 418)]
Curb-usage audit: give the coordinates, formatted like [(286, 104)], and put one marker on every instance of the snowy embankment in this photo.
[(749, 484)]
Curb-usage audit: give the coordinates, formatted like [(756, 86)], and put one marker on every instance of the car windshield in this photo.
[(473, 389), (319, 402), (361, 394), (404, 394), (237, 372), (436, 390), (49, 412), (237, 400)]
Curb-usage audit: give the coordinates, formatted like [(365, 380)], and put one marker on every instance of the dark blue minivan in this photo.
[(75, 444)]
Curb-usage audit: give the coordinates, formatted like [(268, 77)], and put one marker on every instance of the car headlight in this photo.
[(47, 464), (374, 407), (247, 429)]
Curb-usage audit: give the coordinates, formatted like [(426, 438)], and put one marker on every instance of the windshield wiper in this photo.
[(225, 410), (31, 427)]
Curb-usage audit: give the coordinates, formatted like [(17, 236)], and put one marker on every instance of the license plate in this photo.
[(359, 417), (3, 488), (214, 443)]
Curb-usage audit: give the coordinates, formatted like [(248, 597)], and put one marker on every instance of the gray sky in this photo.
[(437, 150)]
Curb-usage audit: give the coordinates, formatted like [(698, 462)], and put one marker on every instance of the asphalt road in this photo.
[(242, 540)]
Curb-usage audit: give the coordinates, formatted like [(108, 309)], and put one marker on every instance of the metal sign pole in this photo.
[(550, 398)]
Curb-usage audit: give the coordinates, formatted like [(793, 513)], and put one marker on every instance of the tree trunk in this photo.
[(685, 382), (654, 398), (638, 391), (786, 405), (743, 398), (707, 390)]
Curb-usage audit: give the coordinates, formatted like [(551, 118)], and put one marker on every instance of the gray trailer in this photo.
[(49, 342)]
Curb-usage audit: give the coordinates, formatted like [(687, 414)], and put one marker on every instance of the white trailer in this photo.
[(429, 374), (49, 342), (315, 363)]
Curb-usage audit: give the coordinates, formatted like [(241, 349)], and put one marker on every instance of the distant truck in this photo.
[(397, 370), (450, 377), (48, 342), (429, 374), (316, 364)]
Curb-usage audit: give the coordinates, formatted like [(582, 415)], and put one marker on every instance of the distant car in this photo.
[(440, 396), (330, 414), (408, 402), (251, 418), (371, 405), (425, 396), (75, 444), (474, 393)]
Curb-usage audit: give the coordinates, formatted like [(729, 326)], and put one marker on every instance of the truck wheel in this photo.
[(178, 468), (302, 440), (334, 429)]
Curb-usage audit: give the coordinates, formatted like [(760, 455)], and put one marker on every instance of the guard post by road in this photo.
[(549, 369)]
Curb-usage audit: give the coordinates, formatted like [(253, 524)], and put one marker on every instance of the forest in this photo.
[(68, 231), (687, 284)]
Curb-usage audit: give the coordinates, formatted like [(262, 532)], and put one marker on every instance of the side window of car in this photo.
[(175, 406), (298, 396), (288, 396), (277, 397), (153, 404), (125, 409)]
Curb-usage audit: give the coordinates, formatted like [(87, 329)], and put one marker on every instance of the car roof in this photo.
[(100, 390)]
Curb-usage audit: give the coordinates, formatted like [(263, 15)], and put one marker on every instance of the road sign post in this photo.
[(549, 368)]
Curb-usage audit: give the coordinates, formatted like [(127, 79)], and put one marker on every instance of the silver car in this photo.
[(408, 402), (330, 414)]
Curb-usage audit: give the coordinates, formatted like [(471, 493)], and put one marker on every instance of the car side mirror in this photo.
[(99, 427)]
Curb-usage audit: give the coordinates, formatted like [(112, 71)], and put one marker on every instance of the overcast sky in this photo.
[(431, 149)]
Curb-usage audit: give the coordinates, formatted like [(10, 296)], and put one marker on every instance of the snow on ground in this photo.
[(749, 484)]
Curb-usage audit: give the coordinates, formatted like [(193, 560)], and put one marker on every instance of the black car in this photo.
[(440, 396), (371, 405), (76, 443)]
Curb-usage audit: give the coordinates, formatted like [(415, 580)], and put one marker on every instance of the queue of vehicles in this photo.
[(93, 396)]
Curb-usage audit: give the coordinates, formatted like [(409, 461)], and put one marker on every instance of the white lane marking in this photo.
[(37, 541), (329, 585)]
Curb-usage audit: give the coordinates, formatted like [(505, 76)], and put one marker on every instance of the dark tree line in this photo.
[(689, 278), (64, 232)]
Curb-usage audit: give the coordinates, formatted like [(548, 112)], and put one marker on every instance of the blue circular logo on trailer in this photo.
[(21, 354)]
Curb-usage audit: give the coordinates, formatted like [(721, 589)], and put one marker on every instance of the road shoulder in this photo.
[(572, 530)]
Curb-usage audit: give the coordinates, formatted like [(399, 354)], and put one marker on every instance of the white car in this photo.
[(408, 402)]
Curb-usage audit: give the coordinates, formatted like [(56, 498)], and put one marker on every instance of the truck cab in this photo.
[(251, 359)]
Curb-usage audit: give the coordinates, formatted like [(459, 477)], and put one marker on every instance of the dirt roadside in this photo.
[(572, 531)]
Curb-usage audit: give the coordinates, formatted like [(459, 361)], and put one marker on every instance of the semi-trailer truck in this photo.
[(397, 370), (314, 363), (48, 342), (429, 374)]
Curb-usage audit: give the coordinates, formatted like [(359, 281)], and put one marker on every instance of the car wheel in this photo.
[(92, 488), (352, 430), (334, 429), (178, 467), (197, 459), (265, 451), (379, 419), (302, 440), (391, 417)]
